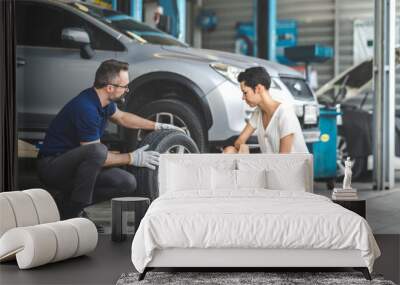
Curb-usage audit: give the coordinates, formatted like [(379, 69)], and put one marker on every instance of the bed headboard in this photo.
[(291, 168)]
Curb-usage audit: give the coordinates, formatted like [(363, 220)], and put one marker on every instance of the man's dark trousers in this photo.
[(80, 176)]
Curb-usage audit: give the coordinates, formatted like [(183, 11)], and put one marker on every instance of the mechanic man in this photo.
[(72, 159), (278, 129)]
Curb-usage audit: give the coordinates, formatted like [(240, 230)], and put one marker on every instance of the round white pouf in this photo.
[(40, 244), (7, 218), (87, 235), (23, 208), (45, 205)]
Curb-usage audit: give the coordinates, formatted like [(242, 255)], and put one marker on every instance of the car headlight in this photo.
[(228, 71), (311, 113), (231, 73)]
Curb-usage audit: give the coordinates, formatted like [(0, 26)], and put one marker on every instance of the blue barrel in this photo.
[(325, 151)]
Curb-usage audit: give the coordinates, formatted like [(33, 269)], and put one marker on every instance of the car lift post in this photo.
[(264, 20), (136, 9), (384, 99), (182, 19)]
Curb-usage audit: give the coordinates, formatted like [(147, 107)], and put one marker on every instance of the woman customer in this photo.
[(277, 126)]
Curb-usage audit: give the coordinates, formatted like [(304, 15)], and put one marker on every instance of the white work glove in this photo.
[(160, 126), (142, 158)]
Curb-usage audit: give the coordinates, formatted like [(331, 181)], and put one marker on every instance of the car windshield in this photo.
[(128, 26)]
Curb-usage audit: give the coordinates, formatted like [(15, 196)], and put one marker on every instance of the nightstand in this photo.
[(358, 206)]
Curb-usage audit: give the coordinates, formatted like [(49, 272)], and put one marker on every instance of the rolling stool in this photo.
[(138, 205)]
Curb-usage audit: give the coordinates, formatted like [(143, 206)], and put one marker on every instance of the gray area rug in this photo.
[(228, 278)]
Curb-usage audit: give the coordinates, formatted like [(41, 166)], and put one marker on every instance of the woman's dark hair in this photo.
[(108, 71), (255, 75)]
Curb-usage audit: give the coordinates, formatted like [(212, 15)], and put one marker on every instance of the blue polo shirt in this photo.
[(82, 119)]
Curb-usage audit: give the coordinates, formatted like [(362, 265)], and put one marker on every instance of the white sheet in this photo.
[(252, 218)]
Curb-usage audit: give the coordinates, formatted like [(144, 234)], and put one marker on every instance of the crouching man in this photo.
[(75, 162)]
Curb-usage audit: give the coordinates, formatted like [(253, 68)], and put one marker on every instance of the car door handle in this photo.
[(21, 61)]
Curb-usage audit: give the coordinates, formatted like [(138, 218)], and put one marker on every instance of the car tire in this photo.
[(162, 142), (183, 115), (360, 164)]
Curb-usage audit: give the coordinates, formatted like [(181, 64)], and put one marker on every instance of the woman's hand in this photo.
[(237, 144)]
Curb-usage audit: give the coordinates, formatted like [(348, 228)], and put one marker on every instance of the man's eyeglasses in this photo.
[(125, 87)]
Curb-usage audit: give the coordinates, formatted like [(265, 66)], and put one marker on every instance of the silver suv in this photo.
[(61, 44)]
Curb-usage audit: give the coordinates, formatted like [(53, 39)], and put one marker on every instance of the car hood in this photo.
[(352, 82), (355, 80), (240, 61)]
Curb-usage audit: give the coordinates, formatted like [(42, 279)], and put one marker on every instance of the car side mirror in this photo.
[(75, 35), (80, 37)]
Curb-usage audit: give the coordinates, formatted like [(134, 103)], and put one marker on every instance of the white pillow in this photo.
[(251, 179), (226, 179), (293, 179), (188, 177), (223, 179), (281, 173)]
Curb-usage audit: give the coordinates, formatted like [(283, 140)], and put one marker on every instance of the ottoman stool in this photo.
[(138, 205)]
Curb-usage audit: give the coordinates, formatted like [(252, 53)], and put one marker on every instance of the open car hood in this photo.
[(356, 80)]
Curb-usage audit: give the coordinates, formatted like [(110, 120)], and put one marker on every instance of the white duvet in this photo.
[(250, 219)]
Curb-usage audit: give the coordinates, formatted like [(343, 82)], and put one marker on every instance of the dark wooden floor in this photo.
[(103, 266), (106, 264)]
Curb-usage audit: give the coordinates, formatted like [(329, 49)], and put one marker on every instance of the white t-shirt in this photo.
[(283, 122)]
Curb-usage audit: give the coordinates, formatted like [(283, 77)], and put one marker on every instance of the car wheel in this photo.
[(175, 112), (359, 167), (162, 142)]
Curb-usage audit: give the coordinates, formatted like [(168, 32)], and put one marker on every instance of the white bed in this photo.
[(221, 211)]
